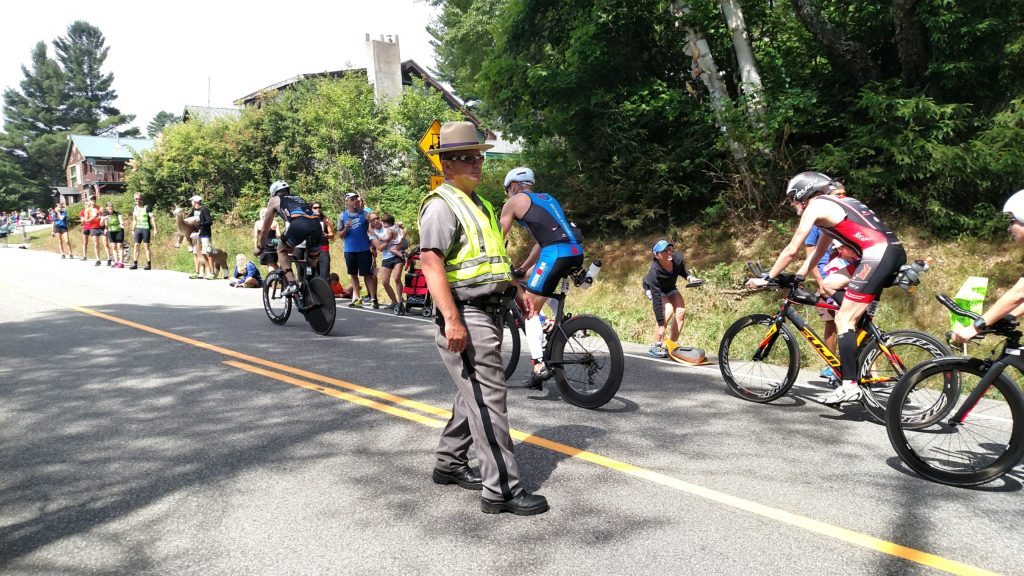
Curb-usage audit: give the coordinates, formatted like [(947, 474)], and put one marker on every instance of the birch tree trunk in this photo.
[(703, 68), (750, 79)]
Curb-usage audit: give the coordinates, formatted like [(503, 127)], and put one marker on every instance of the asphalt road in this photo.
[(151, 424)]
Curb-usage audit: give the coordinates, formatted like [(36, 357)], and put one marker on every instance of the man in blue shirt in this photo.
[(354, 228)]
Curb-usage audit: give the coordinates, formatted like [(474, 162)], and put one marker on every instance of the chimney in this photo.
[(384, 67)]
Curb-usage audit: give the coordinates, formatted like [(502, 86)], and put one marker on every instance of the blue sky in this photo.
[(164, 55)]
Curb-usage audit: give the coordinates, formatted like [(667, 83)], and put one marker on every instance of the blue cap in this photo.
[(661, 246)]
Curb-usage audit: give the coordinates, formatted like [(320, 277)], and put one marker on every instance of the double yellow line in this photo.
[(437, 417)]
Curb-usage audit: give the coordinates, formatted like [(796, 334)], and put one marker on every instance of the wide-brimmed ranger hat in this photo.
[(457, 137)]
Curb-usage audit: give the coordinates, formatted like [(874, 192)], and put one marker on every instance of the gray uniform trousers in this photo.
[(479, 414)]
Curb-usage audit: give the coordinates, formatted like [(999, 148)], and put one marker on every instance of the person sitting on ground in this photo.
[(558, 249), (660, 288), (337, 289), (246, 274)]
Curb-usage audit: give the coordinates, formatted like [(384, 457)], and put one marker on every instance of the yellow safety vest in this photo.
[(482, 259)]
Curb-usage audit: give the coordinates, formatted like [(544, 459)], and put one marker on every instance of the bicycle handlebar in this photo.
[(1004, 326)]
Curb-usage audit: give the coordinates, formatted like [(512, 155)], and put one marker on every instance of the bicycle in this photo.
[(582, 351), (313, 298), (984, 437), (757, 369)]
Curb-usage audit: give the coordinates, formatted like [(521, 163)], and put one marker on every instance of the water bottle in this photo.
[(591, 276), (911, 275)]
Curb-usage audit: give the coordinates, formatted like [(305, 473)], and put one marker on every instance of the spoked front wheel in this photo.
[(978, 448), (277, 307), (587, 360), (881, 369), (322, 308), (759, 359)]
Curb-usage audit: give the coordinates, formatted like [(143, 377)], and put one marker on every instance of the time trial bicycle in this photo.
[(313, 299), (976, 439), (759, 357), (582, 351)]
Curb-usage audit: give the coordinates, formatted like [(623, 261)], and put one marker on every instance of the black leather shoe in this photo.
[(525, 504), (465, 477)]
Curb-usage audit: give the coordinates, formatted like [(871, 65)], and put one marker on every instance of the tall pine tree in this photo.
[(90, 104)]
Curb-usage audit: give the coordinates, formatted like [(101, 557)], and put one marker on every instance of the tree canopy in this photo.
[(69, 94), (915, 104)]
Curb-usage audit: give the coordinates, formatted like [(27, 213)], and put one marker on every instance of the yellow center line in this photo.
[(776, 514)]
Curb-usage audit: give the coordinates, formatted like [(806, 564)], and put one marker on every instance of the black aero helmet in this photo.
[(278, 187), (807, 185)]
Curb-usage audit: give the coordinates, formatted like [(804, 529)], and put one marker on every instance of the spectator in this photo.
[(353, 228), (204, 225), (268, 256), (337, 289), (144, 228), (91, 222), (246, 274), (115, 231), (60, 230), (5, 222), (323, 263), (388, 241), (660, 287), (86, 228)]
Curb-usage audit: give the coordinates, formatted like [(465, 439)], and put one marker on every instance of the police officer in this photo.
[(469, 277)]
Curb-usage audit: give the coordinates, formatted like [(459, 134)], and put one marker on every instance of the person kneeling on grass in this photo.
[(246, 274)]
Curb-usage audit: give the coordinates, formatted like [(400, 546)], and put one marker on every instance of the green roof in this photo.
[(107, 148)]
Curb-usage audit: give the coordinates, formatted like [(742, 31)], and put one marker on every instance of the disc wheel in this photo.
[(322, 309)]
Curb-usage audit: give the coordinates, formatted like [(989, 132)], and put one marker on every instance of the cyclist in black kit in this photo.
[(303, 226)]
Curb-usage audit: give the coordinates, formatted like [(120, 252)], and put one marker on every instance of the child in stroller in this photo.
[(415, 288)]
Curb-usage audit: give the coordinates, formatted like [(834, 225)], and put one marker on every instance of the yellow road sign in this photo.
[(432, 140), (436, 181)]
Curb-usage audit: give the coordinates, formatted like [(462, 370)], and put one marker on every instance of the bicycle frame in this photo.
[(788, 312), (1010, 356)]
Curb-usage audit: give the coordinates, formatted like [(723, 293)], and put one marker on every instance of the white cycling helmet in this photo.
[(1015, 206), (521, 174), (278, 187)]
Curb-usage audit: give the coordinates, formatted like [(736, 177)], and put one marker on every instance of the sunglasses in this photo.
[(471, 158), (316, 207), (1014, 220)]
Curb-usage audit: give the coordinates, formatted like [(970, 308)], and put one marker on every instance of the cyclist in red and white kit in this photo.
[(855, 225)]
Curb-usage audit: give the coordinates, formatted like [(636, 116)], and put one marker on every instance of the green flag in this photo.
[(970, 297)]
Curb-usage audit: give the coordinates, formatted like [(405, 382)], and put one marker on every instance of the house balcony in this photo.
[(103, 178)]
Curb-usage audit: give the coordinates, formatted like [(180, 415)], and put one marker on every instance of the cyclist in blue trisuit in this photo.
[(558, 249), (303, 225)]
